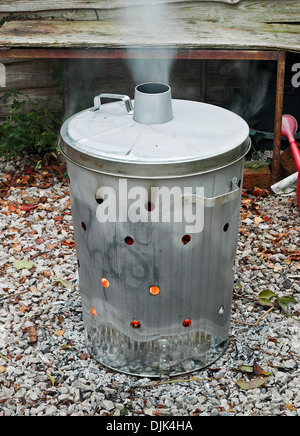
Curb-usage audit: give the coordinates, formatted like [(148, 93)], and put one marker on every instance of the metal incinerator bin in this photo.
[(155, 187)]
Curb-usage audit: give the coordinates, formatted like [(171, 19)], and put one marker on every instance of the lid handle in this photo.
[(125, 98)]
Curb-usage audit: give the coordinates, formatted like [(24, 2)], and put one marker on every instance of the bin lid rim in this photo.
[(199, 133)]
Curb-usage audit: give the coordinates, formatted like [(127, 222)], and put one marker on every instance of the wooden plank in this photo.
[(176, 33), (42, 94), (21, 75), (34, 78), (246, 10), (44, 5)]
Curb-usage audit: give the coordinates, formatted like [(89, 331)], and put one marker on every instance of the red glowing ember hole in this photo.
[(129, 240), (105, 282), (186, 239), (154, 290), (94, 312), (186, 323), (83, 226), (135, 324), (149, 206)]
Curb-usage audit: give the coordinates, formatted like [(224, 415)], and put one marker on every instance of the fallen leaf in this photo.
[(257, 369), (67, 205), (258, 220), (84, 356), (32, 334), (2, 369), (30, 200), (60, 319), (295, 256), (51, 246), (26, 207), (246, 368), (252, 384), (47, 273), (23, 264), (290, 407), (28, 170), (59, 332), (44, 186), (64, 283), (24, 309), (12, 207), (257, 192), (70, 244)]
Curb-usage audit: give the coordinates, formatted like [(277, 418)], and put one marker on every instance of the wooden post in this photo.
[(278, 116)]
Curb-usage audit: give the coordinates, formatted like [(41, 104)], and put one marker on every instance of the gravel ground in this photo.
[(45, 368)]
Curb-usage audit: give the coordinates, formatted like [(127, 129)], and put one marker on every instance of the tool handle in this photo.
[(296, 153), (125, 98)]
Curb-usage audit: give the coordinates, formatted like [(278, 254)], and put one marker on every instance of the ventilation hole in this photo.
[(94, 312), (83, 226), (99, 200), (186, 239), (129, 240), (149, 206), (154, 290), (240, 182), (135, 324), (105, 282), (186, 323), (226, 227), (78, 263)]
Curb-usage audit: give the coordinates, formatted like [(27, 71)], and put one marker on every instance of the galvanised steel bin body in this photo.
[(155, 191)]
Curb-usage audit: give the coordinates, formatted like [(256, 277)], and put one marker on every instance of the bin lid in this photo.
[(200, 138)]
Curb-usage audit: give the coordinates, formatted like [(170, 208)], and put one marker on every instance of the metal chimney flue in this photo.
[(152, 103)]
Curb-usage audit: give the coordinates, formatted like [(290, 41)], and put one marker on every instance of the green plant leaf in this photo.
[(64, 283), (51, 378), (286, 300), (265, 302), (267, 295), (23, 264), (252, 384), (246, 368)]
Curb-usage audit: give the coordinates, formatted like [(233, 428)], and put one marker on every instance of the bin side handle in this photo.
[(125, 98), (215, 201)]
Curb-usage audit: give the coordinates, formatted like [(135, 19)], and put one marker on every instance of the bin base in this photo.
[(166, 356)]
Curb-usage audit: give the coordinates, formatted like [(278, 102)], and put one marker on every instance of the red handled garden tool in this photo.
[(288, 129)]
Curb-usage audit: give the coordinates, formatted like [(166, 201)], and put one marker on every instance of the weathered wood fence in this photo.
[(45, 78)]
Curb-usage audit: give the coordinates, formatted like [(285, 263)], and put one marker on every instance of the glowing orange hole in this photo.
[(186, 323), (105, 282), (154, 290), (94, 312), (186, 239), (135, 324), (129, 240)]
